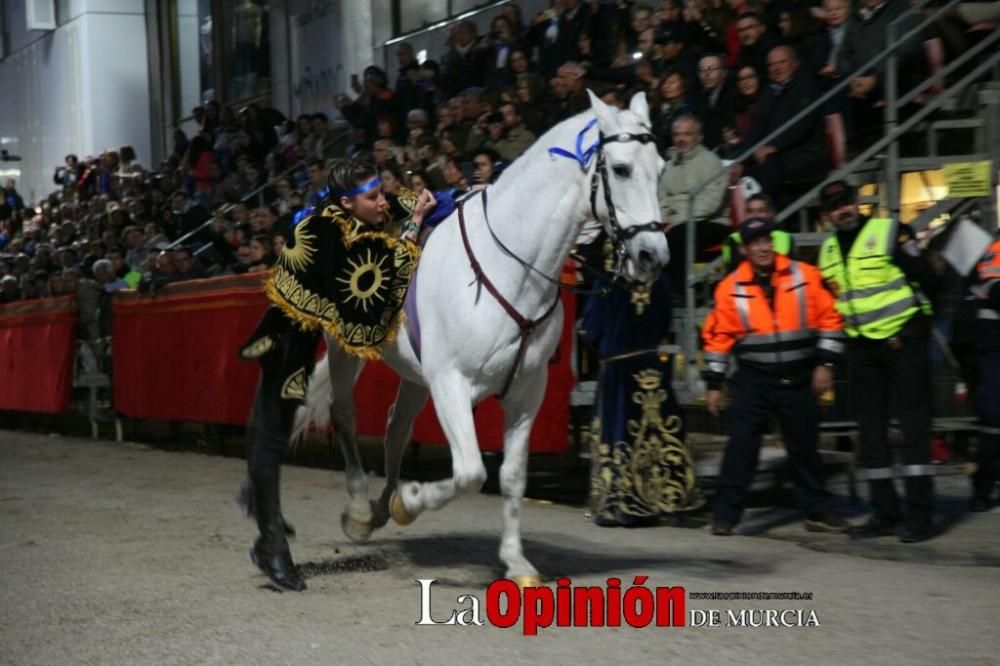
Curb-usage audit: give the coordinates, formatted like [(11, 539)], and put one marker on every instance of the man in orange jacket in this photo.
[(774, 317)]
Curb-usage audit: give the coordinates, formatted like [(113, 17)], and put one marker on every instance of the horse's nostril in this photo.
[(646, 259)]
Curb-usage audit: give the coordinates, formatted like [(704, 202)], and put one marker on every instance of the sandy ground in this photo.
[(124, 554)]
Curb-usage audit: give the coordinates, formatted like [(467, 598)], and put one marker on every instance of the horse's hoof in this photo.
[(531, 580), (355, 530), (398, 510)]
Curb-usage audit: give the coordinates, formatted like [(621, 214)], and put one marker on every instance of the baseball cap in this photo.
[(752, 227), (836, 194)]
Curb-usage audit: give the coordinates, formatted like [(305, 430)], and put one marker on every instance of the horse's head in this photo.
[(627, 177)]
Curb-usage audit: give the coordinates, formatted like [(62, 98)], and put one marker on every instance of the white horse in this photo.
[(520, 232)]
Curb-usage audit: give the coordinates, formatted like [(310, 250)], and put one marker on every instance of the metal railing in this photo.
[(342, 134), (688, 338)]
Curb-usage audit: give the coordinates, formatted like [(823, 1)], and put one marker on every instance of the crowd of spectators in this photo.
[(737, 68)]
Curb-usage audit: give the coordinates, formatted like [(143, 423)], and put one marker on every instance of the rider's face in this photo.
[(369, 207)]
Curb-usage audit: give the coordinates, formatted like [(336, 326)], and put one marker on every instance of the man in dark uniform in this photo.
[(308, 300), (873, 266)]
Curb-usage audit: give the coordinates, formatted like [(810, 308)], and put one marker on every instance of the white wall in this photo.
[(329, 39), (78, 89)]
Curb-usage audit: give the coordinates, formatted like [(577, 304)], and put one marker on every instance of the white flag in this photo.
[(966, 246)]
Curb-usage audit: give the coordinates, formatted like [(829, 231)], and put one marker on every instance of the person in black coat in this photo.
[(797, 155), (714, 103)]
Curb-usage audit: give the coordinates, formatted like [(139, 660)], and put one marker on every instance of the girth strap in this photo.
[(526, 325)]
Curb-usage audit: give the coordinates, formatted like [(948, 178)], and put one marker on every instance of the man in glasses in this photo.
[(714, 103)]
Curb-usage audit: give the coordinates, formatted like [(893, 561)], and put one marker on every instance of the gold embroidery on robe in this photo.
[(654, 473)]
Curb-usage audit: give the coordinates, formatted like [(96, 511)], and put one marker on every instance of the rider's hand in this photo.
[(425, 204)]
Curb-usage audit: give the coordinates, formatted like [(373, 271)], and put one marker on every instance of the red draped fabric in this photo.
[(175, 353), (175, 359), (37, 348)]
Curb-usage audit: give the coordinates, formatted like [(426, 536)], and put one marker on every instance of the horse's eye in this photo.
[(622, 170)]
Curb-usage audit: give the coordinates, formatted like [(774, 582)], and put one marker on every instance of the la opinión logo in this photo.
[(565, 606)]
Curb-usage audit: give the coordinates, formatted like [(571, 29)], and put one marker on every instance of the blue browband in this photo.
[(360, 189), (582, 156)]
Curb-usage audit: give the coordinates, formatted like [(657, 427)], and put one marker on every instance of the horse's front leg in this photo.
[(453, 404), (356, 519), (410, 399), (520, 408)]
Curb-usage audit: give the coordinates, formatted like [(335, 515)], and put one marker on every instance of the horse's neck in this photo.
[(539, 205)]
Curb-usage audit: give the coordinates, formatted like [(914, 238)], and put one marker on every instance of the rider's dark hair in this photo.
[(347, 173)]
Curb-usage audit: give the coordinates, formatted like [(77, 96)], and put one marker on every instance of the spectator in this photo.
[(673, 103), (317, 181), (375, 102), (689, 165), (486, 166), (744, 105), (866, 38), (453, 176), (418, 181), (555, 34), (517, 138), (262, 253), (797, 156), (568, 93), (715, 101), (833, 40), (244, 259), (391, 179), (10, 290), (122, 270), (466, 63), (755, 42), (104, 275), (186, 266)]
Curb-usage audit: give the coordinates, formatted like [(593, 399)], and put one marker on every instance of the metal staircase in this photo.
[(959, 121)]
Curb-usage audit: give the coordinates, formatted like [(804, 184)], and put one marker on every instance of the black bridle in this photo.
[(618, 235)]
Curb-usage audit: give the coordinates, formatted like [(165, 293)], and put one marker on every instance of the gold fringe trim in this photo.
[(307, 323)]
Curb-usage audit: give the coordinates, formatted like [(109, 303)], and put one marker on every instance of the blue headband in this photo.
[(361, 189)]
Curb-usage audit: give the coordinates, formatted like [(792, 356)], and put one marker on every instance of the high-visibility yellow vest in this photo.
[(781, 241), (873, 295)]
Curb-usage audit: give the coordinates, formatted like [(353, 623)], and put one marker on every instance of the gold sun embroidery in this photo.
[(299, 255), (364, 280)]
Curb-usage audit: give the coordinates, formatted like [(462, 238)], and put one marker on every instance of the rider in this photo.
[(308, 299)]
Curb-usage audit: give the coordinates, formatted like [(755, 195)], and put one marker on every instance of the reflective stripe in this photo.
[(743, 307), (878, 473), (918, 470), (985, 313), (891, 310), (776, 357), (771, 338), (717, 356), (832, 335), (991, 272), (833, 346), (717, 366), (871, 291), (800, 292)]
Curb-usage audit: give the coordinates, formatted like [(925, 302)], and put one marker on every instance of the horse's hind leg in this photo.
[(356, 520), (410, 399), (520, 410), (453, 403)]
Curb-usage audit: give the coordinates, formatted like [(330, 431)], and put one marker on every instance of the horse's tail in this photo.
[(315, 410)]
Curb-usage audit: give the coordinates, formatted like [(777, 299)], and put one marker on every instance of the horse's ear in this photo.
[(639, 106), (605, 114)]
